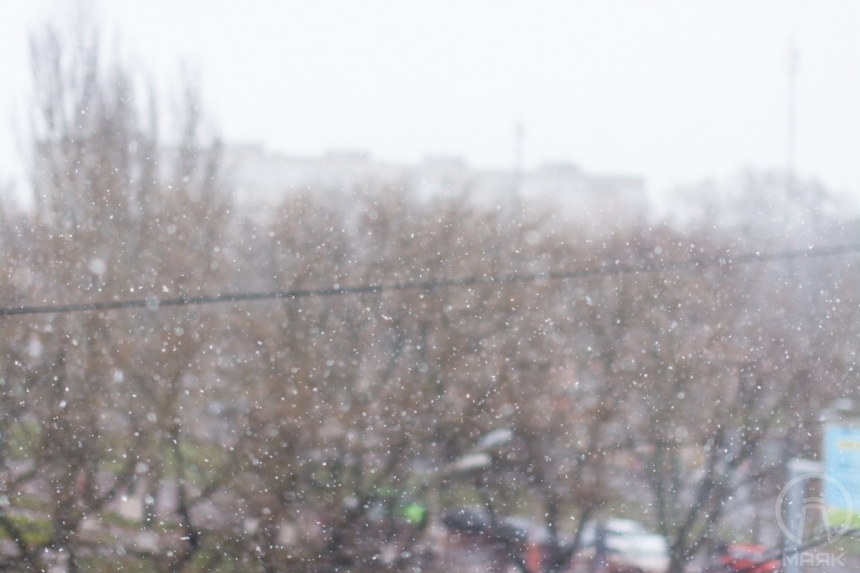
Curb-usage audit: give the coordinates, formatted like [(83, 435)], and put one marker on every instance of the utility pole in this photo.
[(793, 61), (800, 471)]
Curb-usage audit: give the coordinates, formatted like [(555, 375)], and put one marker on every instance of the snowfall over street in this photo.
[(218, 357)]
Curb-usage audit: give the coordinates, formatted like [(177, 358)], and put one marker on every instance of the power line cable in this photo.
[(154, 303)]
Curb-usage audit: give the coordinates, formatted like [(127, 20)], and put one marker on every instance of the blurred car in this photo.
[(747, 557), (472, 530), (467, 520), (630, 547)]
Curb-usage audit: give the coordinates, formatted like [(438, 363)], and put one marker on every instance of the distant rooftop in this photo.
[(260, 177)]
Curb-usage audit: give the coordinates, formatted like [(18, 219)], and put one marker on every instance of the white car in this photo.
[(629, 547)]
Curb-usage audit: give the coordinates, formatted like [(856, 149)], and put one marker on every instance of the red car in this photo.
[(747, 557)]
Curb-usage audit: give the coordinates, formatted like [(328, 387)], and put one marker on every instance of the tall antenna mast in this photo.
[(518, 157), (793, 61)]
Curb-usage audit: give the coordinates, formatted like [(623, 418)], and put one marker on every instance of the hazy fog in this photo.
[(667, 90)]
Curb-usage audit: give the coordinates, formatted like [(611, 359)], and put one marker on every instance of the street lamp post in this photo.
[(476, 459)]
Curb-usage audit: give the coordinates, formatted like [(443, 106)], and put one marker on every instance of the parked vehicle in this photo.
[(628, 547), (473, 535), (747, 557)]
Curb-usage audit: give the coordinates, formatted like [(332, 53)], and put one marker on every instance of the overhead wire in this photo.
[(607, 269)]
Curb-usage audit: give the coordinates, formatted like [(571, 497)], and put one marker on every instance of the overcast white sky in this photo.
[(676, 91)]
